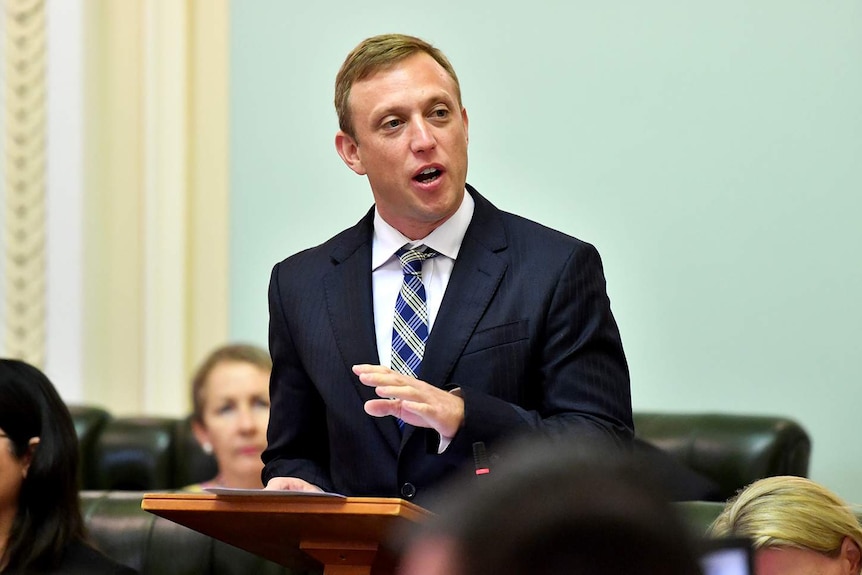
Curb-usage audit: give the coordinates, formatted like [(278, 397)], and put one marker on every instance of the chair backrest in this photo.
[(732, 450), (191, 463), (134, 453), (146, 453), (138, 453), (89, 422), (118, 526)]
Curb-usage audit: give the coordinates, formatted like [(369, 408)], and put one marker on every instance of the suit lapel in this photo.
[(349, 303), (475, 277), (474, 280)]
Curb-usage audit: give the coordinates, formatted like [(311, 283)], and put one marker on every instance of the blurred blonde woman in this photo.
[(230, 394), (796, 526)]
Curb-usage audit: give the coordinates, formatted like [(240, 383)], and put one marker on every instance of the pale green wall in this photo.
[(712, 151)]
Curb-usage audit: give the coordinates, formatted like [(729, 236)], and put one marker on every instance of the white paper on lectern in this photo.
[(271, 492)]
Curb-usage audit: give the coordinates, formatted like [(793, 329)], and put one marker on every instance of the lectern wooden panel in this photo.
[(348, 536)]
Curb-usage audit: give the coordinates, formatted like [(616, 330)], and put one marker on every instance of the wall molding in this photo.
[(24, 174)]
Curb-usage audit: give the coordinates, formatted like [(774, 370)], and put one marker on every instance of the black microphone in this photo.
[(480, 459)]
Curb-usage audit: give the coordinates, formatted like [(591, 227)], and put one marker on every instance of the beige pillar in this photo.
[(155, 254)]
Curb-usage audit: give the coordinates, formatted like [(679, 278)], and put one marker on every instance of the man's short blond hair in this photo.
[(789, 511), (375, 54)]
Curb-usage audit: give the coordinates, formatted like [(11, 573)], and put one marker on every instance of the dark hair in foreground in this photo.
[(554, 507), (49, 514)]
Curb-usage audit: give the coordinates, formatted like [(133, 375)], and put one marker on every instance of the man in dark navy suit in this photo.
[(380, 386)]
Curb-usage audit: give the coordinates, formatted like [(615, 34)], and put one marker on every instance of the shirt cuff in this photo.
[(446, 441)]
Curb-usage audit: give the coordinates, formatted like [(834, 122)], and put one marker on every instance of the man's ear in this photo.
[(851, 555), (28, 455), (466, 124), (348, 149)]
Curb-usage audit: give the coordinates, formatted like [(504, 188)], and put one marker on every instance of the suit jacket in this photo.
[(524, 329)]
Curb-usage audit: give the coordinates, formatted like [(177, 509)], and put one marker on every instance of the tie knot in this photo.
[(412, 258)]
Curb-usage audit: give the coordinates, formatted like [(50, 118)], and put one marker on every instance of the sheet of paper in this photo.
[(272, 493)]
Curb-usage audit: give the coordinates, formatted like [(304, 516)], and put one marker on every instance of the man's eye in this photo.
[(440, 113), (393, 123)]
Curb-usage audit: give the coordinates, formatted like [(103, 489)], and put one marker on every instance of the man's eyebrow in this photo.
[(431, 100)]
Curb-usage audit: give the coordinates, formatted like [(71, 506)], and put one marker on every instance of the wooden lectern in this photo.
[(348, 535)]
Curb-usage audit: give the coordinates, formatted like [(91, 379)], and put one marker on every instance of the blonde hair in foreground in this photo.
[(789, 511)]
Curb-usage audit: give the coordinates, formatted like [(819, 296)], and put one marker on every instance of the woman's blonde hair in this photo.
[(789, 511)]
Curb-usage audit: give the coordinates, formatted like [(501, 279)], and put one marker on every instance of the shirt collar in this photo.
[(445, 239)]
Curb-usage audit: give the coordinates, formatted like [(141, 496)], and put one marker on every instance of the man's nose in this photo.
[(421, 137)]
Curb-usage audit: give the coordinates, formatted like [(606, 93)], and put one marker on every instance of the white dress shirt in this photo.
[(387, 274)]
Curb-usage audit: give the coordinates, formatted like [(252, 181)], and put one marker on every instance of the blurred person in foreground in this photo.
[(796, 526), (230, 398), (547, 508), (438, 320), (41, 528)]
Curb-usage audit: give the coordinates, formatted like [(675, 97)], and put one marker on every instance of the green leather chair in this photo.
[(154, 454), (118, 526), (134, 453), (89, 422), (699, 515), (145, 453), (731, 450), (157, 453)]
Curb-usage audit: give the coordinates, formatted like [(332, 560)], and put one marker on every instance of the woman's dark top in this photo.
[(81, 559)]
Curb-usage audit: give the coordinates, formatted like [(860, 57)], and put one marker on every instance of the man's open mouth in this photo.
[(427, 175)]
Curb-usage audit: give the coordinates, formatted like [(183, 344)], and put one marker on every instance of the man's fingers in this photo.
[(395, 391), (370, 368), (377, 378), (290, 484), (414, 401), (382, 407)]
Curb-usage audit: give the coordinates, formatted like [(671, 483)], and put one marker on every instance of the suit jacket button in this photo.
[(408, 491)]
